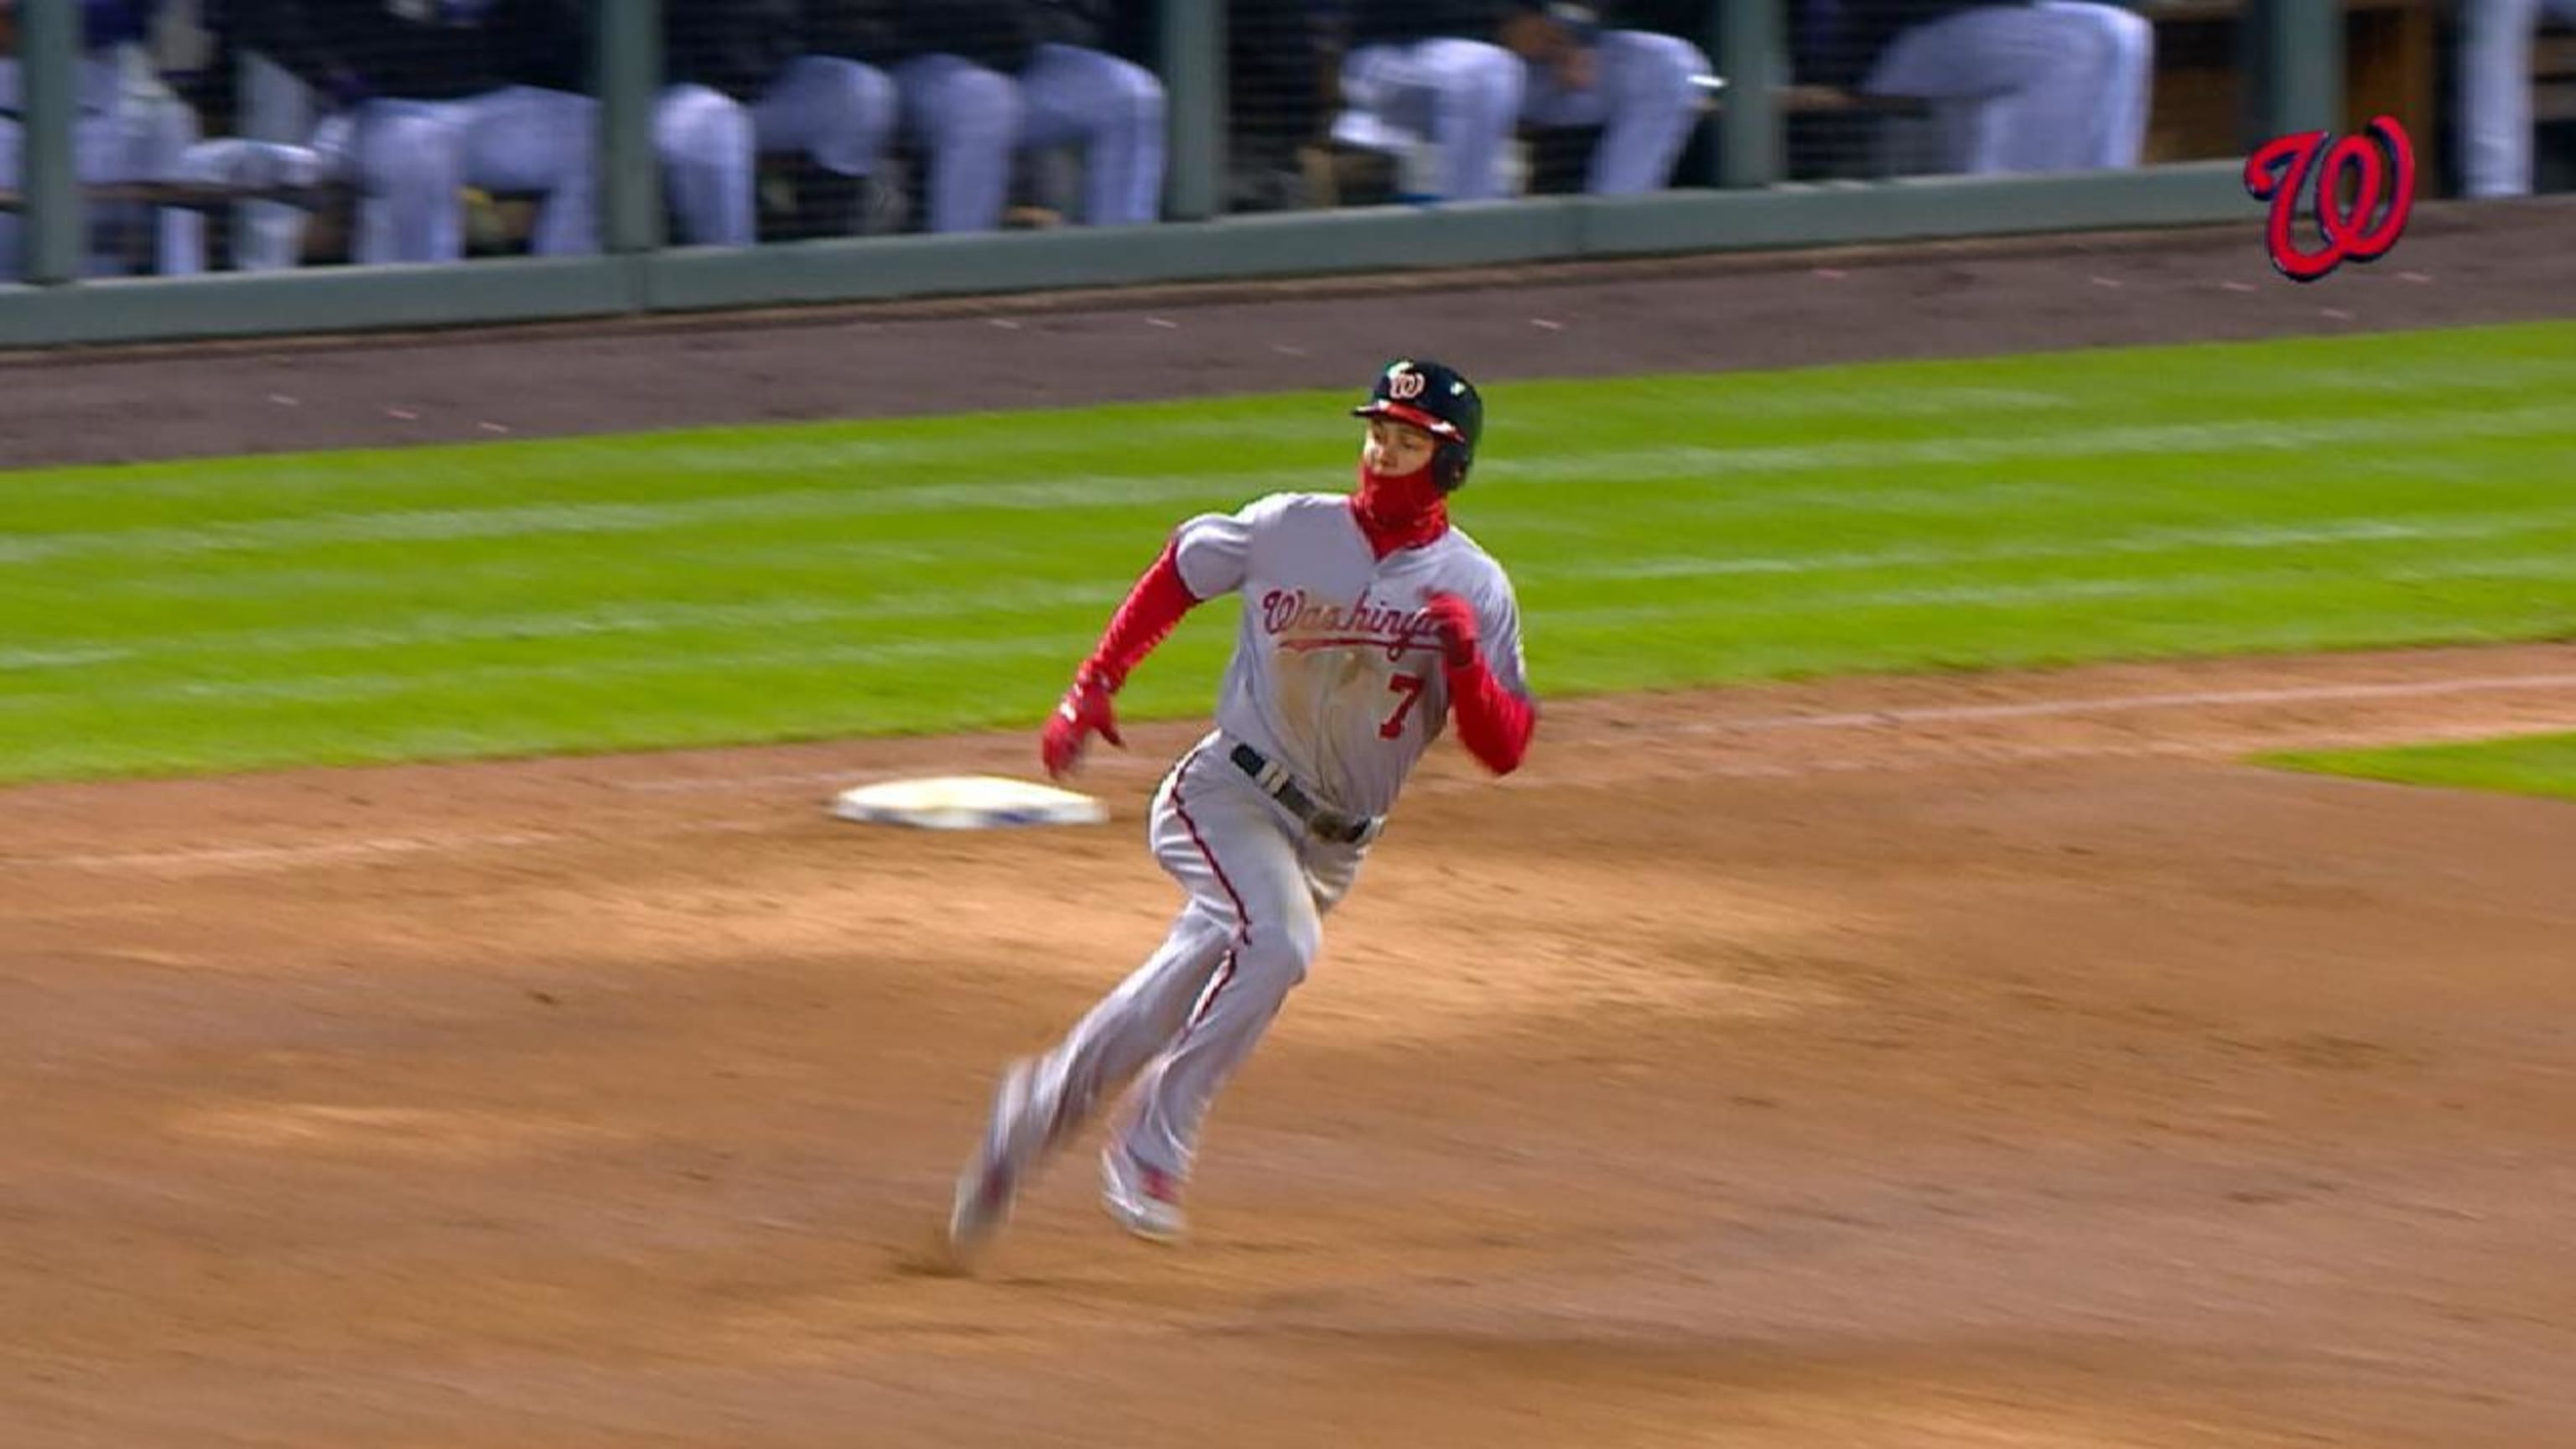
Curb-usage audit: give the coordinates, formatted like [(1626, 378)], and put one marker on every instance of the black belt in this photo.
[(1331, 826)]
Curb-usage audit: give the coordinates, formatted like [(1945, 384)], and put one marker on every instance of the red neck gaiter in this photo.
[(1397, 511)]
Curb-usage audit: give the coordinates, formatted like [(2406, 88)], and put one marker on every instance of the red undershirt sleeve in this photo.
[(1493, 723), (1152, 610)]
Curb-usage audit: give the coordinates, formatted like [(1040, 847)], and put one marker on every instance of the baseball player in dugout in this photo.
[(995, 77), (1465, 73), (439, 95), (750, 78), (1368, 620)]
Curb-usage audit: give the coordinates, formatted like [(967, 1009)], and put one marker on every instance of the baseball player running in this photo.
[(1367, 621)]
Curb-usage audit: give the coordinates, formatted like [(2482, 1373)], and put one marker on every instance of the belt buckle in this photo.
[(1273, 780)]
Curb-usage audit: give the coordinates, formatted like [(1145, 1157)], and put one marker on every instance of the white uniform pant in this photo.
[(128, 126), (1465, 97), (411, 160), (1642, 98), (276, 108), (837, 111), (971, 122), (2062, 85), (1178, 1027), (2495, 92)]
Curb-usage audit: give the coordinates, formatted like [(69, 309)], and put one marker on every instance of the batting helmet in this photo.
[(1436, 398)]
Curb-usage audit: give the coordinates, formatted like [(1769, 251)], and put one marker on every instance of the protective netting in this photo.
[(406, 130), (132, 129), (865, 116), (271, 134), (384, 131), (1279, 92), (12, 135), (1912, 87), (1473, 100)]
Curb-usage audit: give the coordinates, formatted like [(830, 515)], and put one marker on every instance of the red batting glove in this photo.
[(1082, 713), (1454, 620)]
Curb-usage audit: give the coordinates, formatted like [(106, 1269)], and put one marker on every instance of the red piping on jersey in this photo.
[(1242, 917), (1493, 723), (1153, 608)]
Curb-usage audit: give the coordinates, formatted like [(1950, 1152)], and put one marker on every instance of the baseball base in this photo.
[(966, 802)]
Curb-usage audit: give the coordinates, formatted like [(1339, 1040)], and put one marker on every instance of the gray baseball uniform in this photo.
[(1335, 690)]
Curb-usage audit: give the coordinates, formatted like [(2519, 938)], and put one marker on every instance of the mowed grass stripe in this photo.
[(1897, 402), (1691, 467), (741, 584), (1831, 607), (2543, 764), (1929, 398), (1742, 529), (593, 621), (644, 602), (819, 564)]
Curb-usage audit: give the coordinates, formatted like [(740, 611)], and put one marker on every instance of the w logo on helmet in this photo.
[(1431, 396)]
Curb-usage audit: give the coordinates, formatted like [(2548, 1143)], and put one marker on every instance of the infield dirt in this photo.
[(1963, 1061)]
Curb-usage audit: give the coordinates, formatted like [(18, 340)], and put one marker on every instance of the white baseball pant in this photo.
[(1259, 887)]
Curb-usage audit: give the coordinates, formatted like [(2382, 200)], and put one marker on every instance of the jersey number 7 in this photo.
[(1410, 687)]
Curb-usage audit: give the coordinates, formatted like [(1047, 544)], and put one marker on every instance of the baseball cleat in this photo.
[(1146, 1201), (990, 1184)]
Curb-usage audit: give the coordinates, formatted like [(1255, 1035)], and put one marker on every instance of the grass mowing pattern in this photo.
[(737, 585), (2523, 765)]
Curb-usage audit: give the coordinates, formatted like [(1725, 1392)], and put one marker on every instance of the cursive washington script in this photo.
[(1302, 622)]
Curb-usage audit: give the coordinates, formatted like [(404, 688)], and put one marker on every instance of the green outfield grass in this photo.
[(2523, 765), (930, 575)]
